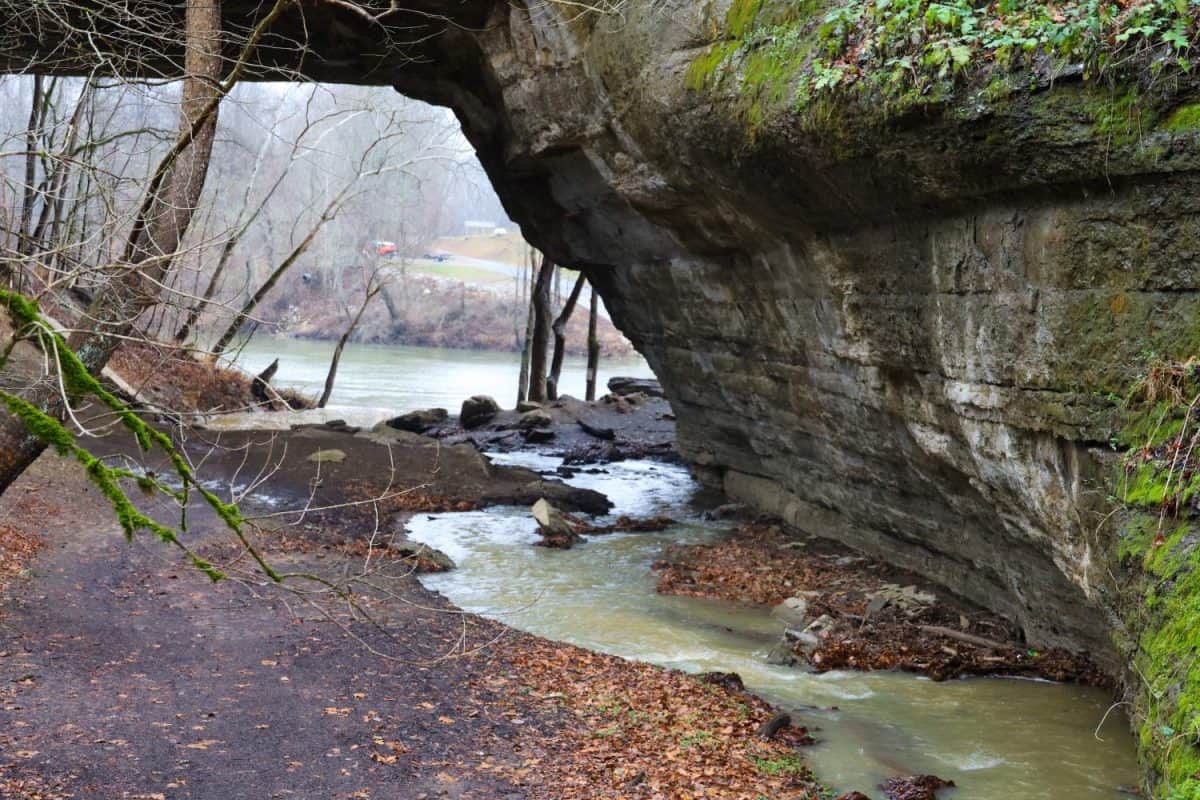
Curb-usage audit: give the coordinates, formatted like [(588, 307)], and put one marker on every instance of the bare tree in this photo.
[(540, 339), (374, 286), (157, 231), (559, 329), (593, 349)]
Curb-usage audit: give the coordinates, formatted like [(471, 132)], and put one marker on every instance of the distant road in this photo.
[(499, 267), (429, 266)]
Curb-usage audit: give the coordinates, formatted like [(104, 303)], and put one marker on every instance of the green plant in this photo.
[(906, 49), (1160, 542), (792, 764)]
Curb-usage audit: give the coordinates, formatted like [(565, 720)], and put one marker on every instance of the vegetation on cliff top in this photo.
[(793, 53)]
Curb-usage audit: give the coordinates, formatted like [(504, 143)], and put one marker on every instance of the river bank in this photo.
[(844, 610), (423, 311)]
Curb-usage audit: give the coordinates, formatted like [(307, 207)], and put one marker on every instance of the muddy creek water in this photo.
[(997, 739)]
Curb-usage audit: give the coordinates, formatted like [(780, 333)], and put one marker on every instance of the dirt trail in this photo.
[(124, 673)]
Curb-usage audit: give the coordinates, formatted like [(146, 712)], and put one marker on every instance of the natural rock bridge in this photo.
[(902, 329)]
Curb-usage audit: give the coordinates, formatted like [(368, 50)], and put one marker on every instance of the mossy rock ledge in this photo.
[(908, 314)]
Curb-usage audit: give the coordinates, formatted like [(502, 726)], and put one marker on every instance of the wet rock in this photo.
[(526, 405), (559, 530), (852, 796), (596, 453), (426, 559), (726, 511), (419, 421), (571, 498), (726, 680), (623, 387), (780, 654), (774, 725), (539, 435), (535, 419), (793, 611), (914, 787), (599, 431), (809, 639), (478, 410)]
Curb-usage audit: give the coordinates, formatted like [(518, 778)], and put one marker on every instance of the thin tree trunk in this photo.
[(24, 242), (341, 345), (526, 347), (541, 330), (560, 339), (233, 240), (53, 184), (593, 349), (185, 330), (29, 190)]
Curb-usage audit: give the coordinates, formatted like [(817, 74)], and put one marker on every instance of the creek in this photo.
[(998, 739)]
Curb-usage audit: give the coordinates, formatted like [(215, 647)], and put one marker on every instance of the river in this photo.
[(998, 739), (378, 380)]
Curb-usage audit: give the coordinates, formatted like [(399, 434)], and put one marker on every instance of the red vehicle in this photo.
[(383, 249)]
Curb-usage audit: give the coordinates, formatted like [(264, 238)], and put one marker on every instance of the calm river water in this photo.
[(397, 379)]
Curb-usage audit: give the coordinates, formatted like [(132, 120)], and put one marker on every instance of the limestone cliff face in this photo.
[(901, 331)]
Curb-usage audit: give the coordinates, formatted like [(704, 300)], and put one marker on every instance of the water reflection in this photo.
[(405, 378)]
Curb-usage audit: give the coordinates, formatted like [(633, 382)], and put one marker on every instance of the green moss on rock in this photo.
[(1183, 119), (1159, 544)]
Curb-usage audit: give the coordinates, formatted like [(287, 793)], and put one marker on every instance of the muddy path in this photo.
[(125, 673)]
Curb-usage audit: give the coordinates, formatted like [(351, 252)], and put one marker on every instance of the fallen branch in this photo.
[(969, 638)]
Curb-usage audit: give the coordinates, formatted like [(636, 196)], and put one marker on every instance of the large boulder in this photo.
[(535, 419), (623, 387), (478, 410), (419, 421)]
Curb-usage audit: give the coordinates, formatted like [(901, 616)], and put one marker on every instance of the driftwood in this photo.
[(260, 387), (969, 638)]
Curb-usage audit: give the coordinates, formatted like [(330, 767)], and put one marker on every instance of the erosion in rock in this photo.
[(905, 327)]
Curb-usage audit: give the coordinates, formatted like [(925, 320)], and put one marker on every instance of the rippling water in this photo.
[(998, 739)]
